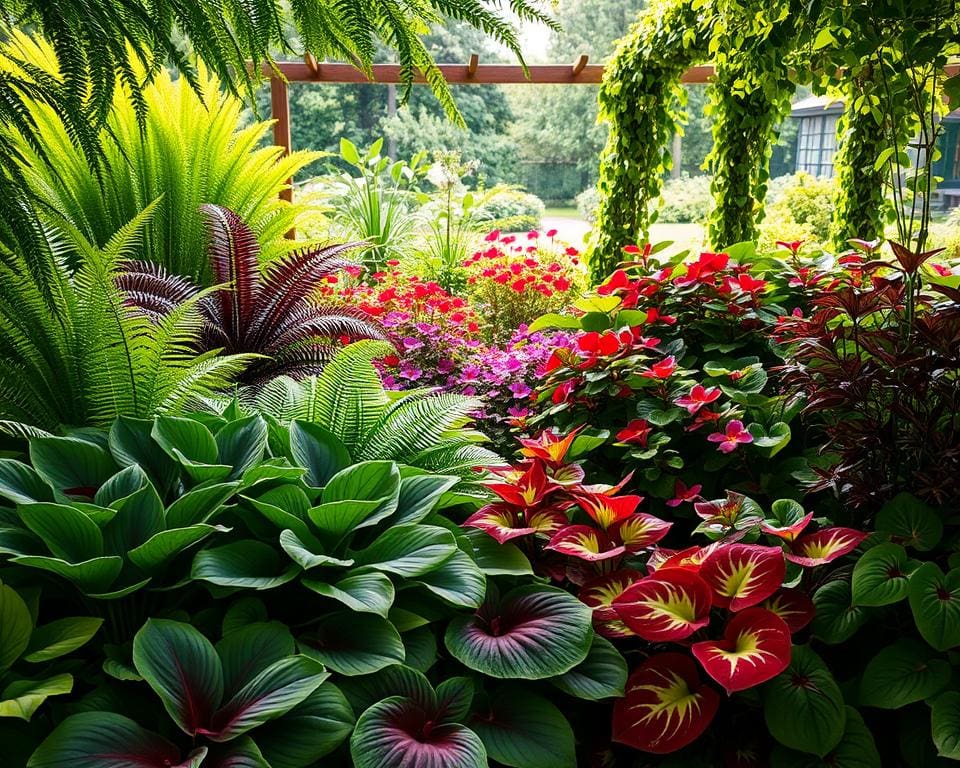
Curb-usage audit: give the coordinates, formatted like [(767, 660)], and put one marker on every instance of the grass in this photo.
[(562, 213)]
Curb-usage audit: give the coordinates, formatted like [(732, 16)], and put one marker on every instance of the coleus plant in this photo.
[(668, 373), (729, 608)]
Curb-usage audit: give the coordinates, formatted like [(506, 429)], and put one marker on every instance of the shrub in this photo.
[(685, 200), (587, 203), (509, 209), (798, 207)]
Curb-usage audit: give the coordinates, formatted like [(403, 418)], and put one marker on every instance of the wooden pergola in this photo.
[(581, 72)]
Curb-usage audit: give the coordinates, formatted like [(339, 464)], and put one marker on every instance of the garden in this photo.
[(348, 458)]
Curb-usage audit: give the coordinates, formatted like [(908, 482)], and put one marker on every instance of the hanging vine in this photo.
[(642, 99)]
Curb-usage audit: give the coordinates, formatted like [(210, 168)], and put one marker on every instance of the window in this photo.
[(817, 144)]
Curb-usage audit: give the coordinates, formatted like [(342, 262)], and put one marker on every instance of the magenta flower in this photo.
[(410, 373), (410, 343), (520, 390), (698, 397), (733, 436)]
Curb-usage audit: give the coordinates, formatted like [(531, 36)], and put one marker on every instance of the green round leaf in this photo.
[(855, 750), (318, 450), (408, 550), (945, 723), (901, 674), (882, 575), (58, 638), (531, 633), (803, 706), (602, 675), (935, 602), (354, 643), (910, 522), (524, 730), (309, 731), (836, 620), (457, 580), (16, 624), (364, 592), (248, 564)]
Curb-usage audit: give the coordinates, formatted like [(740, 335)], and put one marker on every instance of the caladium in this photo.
[(586, 543), (666, 705), (755, 648), (824, 546), (742, 575), (788, 520), (505, 522), (669, 605), (599, 594), (794, 606)]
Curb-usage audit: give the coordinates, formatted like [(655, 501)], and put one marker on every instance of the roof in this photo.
[(824, 105)]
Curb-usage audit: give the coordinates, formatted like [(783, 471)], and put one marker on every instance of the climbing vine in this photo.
[(642, 99)]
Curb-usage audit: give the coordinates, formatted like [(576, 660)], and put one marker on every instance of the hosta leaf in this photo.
[(131, 443), (242, 613), (945, 722), (855, 750), (305, 557), (393, 733), (935, 602), (309, 731), (199, 505), (241, 444), (273, 692), (282, 507), (910, 522), (408, 550), (138, 517), (242, 753), (457, 580), (124, 483), (22, 698), (58, 637), (335, 519), (419, 496), (354, 643), (72, 466), (248, 564), (497, 559), (364, 592), (803, 706), (366, 481), (395, 680), (454, 697), (755, 648), (531, 633), (666, 705), (68, 533), (882, 575), (162, 547), (602, 675), (836, 619), (525, 730), (91, 576), (16, 624), (107, 740), (318, 450), (668, 605), (902, 673), (186, 440), (183, 669), (21, 484), (251, 649)]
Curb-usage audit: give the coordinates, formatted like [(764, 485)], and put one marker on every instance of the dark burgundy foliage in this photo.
[(268, 311)]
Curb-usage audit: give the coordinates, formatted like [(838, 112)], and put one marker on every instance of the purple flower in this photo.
[(470, 373), (520, 390), (426, 328), (518, 412), (469, 391), (410, 372), (410, 343)]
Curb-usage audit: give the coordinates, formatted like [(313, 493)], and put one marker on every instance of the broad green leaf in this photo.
[(60, 637), (317, 450), (241, 444), (532, 632), (396, 680), (72, 466), (106, 740), (138, 517), (391, 734), (525, 730), (311, 730), (902, 673), (185, 439), (367, 481), (335, 519), (935, 602), (408, 550), (160, 548), (803, 706), (497, 559), (16, 624), (836, 619), (249, 564), (305, 557), (882, 575), (183, 669), (553, 320), (124, 483), (20, 483), (354, 643), (68, 533), (199, 505), (855, 750), (457, 580), (911, 522), (945, 723), (602, 675), (131, 443), (420, 645), (597, 303), (243, 612), (286, 507), (454, 697), (22, 698), (364, 592), (419, 496), (91, 576), (271, 693)]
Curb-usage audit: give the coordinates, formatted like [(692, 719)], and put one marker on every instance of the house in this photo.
[(817, 118)]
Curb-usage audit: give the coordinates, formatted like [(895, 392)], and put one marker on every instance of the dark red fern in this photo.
[(270, 312)]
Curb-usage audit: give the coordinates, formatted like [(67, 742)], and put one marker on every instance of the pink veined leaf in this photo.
[(639, 531), (503, 522), (824, 546), (743, 575), (794, 606), (600, 592), (585, 543), (667, 606)]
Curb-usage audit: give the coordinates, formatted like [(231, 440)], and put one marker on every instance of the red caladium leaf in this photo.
[(670, 605), (755, 648), (742, 575), (729, 512), (503, 522), (599, 593), (666, 705), (549, 446), (639, 531), (794, 606), (525, 489), (586, 543), (787, 532), (569, 475), (607, 510), (690, 558), (824, 546)]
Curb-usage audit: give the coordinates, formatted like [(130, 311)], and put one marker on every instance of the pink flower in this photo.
[(551, 233), (734, 435), (493, 236), (698, 397), (682, 493), (662, 370)]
